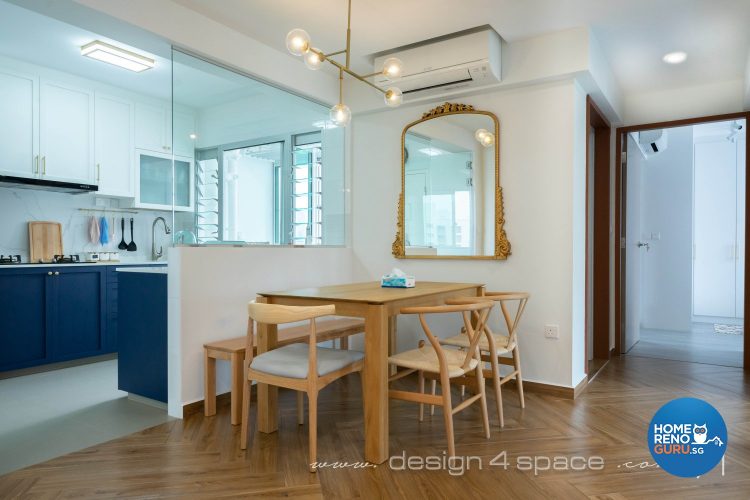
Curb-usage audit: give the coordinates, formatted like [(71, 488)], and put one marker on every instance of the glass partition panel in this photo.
[(269, 165)]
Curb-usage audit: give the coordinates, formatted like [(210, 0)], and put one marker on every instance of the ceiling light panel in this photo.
[(119, 57)]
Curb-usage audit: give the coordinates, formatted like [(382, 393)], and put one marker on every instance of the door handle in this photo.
[(98, 171), (44, 165), (36, 164), (49, 273), (644, 244), (57, 273)]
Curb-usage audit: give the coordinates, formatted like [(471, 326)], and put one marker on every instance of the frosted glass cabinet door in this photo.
[(155, 181), (18, 124)]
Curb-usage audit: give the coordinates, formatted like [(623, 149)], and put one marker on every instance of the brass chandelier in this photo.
[(298, 43)]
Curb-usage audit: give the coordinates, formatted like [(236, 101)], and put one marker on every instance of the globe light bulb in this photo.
[(298, 42), (480, 133), (340, 115), (487, 140), (393, 97), (392, 67), (313, 59)]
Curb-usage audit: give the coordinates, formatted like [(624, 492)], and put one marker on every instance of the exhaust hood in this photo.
[(46, 185)]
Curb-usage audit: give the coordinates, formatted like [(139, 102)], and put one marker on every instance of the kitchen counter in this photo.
[(105, 263), (150, 270)]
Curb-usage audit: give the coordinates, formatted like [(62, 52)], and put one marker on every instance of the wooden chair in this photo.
[(446, 364), (494, 346), (233, 350), (304, 368)]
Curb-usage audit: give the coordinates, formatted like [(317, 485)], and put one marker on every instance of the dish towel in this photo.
[(103, 231), (94, 230)]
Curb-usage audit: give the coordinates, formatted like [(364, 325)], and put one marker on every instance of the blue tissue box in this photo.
[(398, 282)]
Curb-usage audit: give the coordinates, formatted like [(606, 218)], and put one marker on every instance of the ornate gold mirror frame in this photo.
[(502, 245)]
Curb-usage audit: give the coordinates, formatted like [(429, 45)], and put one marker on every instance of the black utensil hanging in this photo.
[(132, 247), (122, 245)]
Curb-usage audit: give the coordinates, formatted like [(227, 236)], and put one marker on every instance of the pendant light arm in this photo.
[(341, 86), (348, 33), (355, 75)]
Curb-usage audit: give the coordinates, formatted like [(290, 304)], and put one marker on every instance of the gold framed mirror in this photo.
[(451, 201)]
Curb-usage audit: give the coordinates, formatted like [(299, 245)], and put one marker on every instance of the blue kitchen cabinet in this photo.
[(24, 318), (51, 314), (57, 313), (78, 312), (142, 335)]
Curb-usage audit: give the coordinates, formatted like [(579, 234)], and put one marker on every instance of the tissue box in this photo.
[(398, 281)]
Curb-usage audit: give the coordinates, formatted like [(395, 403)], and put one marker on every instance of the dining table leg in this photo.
[(392, 349), (375, 397), (268, 411)]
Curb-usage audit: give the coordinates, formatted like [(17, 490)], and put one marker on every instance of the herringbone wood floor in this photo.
[(200, 457)]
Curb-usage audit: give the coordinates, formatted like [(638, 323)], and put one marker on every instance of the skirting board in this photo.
[(539, 387), (553, 390)]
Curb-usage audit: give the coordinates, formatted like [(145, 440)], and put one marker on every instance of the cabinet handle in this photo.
[(57, 273), (36, 164), (49, 273), (98, 171), (44, 165)]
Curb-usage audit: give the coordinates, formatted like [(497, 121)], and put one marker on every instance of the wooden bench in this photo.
[(233, 350)]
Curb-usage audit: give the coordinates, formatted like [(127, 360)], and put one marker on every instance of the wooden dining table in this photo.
[(379, 307)]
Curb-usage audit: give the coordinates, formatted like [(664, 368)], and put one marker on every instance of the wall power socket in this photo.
[(552, 331)]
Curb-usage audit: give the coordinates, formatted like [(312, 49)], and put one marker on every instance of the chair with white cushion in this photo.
[(494, 346), (448, 365), (301, 367)]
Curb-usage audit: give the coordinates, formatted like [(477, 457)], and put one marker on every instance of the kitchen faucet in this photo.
[(156, 255)]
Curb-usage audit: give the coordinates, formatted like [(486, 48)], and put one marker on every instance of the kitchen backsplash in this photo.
[(20, 206)]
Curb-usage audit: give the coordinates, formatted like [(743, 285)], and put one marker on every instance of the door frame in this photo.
[(599, 265), (620, 213)]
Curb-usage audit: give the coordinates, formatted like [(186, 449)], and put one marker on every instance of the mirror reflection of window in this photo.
[(439, 199), (449, 179)]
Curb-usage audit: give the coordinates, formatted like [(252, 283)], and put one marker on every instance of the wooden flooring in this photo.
[(200, 457)]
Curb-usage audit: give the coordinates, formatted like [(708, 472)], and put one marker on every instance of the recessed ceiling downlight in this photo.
[(675, 57)]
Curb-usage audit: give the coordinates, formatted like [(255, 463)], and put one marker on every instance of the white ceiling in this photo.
[(634, 34), (44, 41)]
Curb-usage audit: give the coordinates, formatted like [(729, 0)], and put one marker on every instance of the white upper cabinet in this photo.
[(115, 151), (18, 124), (66, 133), (184, 128), (153, 127)]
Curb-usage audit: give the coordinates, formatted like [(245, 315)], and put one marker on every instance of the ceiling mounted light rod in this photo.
[(298, 43)]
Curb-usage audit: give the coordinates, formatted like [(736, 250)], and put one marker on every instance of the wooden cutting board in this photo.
[(45, 241)]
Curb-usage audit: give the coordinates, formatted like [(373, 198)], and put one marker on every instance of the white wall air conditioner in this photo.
[(458, 63), (652, 142)]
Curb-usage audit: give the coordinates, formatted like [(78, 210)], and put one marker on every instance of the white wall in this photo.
[(667, 209), (209, 288), (537, 159), (18, 207)]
